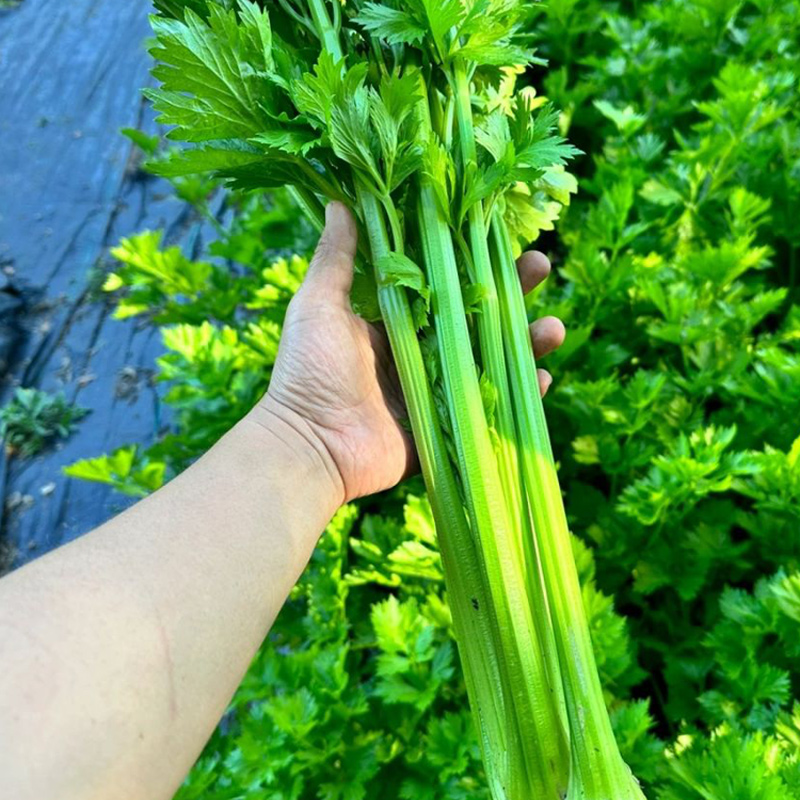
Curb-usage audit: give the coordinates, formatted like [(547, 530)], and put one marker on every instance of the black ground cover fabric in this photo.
[(70, 187)]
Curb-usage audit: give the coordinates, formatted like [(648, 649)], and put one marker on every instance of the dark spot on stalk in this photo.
[(475, 604)]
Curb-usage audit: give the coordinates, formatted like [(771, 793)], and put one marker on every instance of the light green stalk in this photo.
[(327, 32), (535, 752), (310, 205), (597, 769), (314, 211), (470, 604), (494, 364), (488, 318)]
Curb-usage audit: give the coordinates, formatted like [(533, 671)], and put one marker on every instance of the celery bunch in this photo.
[(408, 113)]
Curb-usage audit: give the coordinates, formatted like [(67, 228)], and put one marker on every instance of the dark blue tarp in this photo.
[(70, 187)]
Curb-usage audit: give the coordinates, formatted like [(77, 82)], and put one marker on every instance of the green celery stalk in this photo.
[(494, 363), (536, 755), (327, 32), (310, 205), (597, 769), (471, 607), (488, 319), (470, 604)]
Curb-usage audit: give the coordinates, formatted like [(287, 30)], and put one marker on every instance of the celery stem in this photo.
[(326, 31), (310, 205), (494, 363), (469, 601), (597, 769), (534, 766)]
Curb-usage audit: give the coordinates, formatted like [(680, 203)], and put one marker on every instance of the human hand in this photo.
[(334, 380)]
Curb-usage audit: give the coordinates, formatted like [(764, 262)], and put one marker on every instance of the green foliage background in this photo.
[(674, 415)]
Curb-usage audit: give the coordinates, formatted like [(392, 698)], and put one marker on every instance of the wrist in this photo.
[(306, 460)]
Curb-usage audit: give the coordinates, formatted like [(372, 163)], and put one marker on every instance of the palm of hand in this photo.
[(334, 379), (335, 370)]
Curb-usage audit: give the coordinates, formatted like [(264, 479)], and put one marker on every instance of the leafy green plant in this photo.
[(128, 471), (33, 418)]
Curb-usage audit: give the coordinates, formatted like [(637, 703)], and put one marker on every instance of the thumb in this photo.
[(330, 274)]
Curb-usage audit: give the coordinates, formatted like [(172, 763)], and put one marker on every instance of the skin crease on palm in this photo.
[(334, 377)]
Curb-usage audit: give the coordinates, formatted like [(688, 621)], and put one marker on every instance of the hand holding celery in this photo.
[(409, 114)]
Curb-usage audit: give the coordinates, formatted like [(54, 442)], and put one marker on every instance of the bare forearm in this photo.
[(120, 651)]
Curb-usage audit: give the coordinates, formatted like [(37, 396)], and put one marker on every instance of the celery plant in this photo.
[(472, 609), (376, 110)]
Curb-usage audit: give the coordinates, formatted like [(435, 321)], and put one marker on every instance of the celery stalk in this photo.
[(494, 363), (470, 604), (597, 769), (536, 756), (328, 35)]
